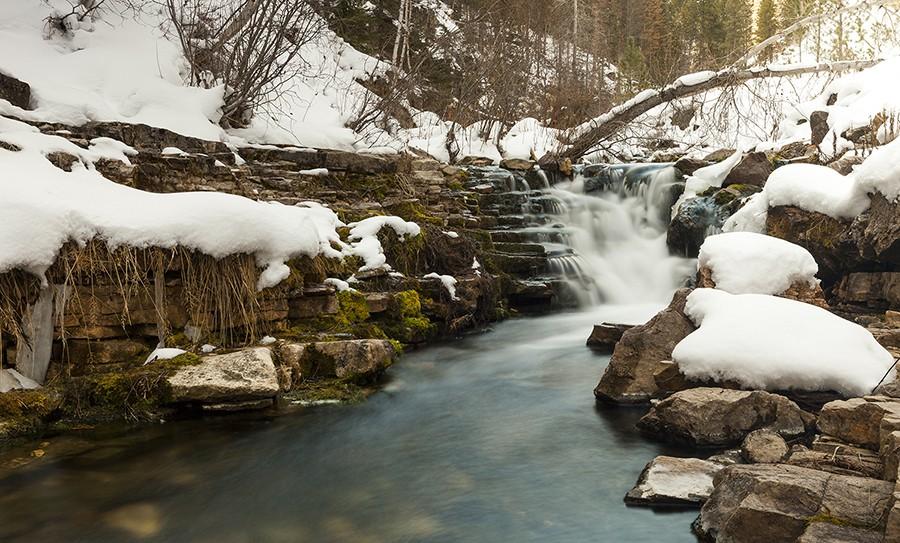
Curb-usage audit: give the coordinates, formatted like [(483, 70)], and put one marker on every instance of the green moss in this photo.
[(353, 306), (455, 185), (318, 390), (831, 519), (406, 304)]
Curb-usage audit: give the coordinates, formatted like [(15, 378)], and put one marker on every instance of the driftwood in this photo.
[(592, 133)]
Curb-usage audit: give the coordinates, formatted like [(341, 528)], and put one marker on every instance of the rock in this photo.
[(688, 166), (718, 417), (869, 289), (476, 161), (892, 318), (697, 217), (668, 480), (764, 503), (889, 455), (818, 126), (827, 532), (111, 351), (835, 456), (857, 420), (516, 164), (753, 169), (17, 93), (357, 358), (682, 117), (877, 231), (231, 407), (629, 377), (764, 447), (829, 240), (718, 155), (797, 151), (845, 164), (234, 377), (605, 336)]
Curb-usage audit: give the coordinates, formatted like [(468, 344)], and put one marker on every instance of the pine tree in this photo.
[(632, 66), (766, 24)]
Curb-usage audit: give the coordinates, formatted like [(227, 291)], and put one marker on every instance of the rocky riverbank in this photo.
[(777, 465)]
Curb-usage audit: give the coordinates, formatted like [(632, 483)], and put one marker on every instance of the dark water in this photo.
[(492, 439)]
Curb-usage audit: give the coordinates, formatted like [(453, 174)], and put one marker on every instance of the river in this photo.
[(495, 438)]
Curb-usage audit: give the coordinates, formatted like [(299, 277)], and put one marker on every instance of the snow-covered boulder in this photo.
[(750, 263), (771, 343)]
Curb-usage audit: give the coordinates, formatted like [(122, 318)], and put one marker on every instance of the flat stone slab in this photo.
[(668, 480), (234, 377), (605, 336)]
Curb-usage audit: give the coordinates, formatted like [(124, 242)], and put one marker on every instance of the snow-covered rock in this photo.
[(750, 263), (766, 342)]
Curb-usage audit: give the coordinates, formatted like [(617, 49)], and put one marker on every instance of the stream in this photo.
[(492, 438)]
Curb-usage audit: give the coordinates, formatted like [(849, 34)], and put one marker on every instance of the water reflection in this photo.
[(495, 438)]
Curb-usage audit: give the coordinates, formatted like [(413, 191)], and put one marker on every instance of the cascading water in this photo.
[(606, 233)]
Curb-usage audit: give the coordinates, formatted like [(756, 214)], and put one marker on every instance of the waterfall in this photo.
[(607, 236)]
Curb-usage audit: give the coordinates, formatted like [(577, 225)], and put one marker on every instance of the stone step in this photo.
[(520, 248)]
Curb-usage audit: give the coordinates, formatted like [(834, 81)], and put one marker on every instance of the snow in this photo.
[(164, 353), (172, 151), (364, 241), (10, 379), (451, 234), (697, 78), (44, 207), (708, 177), (772, 343), (881, 172), (448, 281), (119, 70), (815, 188), (206, 348), (267, 340), (339, 284), (750, 263), (318, 172)]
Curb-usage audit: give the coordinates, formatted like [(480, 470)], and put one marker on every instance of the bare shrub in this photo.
[(252, 47)]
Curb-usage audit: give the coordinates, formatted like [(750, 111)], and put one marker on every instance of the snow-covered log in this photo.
[(586, 137)]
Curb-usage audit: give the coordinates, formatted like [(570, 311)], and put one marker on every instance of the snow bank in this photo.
[(881, 172), (708, 177), (43, 207), (766, 342), (749, 263), (118, 70), (816, 188)]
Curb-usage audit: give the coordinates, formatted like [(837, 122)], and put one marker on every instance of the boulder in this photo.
[(763, 503), (878, 231), (753, 169), (629, 376), (718, 417), (668, 480), (718, 155), (605, 336), (858, 420), (227, 378), (476, 161), (846, 163), (764, 446), (17, 93)]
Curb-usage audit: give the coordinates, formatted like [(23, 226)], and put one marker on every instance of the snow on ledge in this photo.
[(750, 263), (771, 343)]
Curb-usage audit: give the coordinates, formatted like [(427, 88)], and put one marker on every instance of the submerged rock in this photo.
[(668, 480), (718, 417), (630, 375), (234, 377), (764, 503)]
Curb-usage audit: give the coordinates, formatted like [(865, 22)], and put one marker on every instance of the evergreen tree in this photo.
[(766, 24), (632, 67)]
